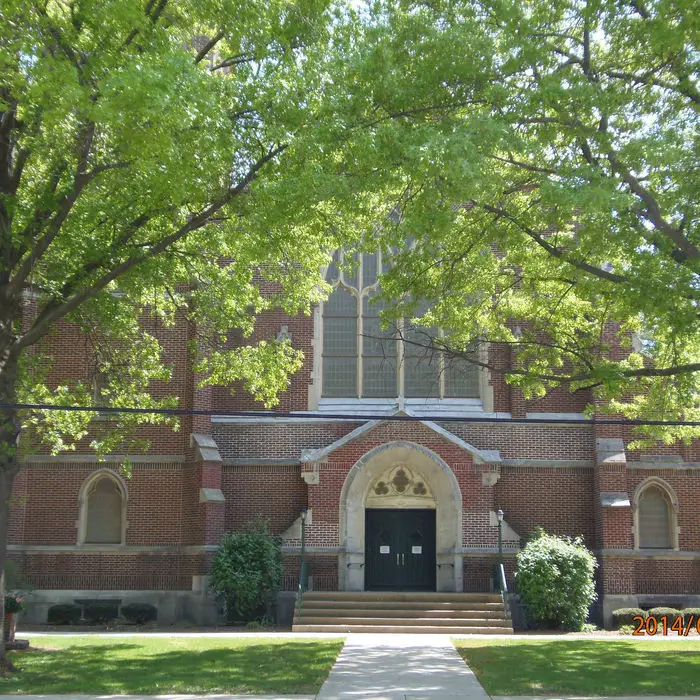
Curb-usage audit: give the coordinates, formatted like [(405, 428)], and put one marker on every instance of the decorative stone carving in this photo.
[(400, 487), (284, 334), (490, 478)]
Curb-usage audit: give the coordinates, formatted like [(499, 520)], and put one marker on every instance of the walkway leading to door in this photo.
[(400, 667)]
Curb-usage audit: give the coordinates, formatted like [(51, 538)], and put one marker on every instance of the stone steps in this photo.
[(394, 629), (403, 622), (403, 612), (416, 612)]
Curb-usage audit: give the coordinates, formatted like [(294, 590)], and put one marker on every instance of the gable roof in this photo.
[(479, 456)]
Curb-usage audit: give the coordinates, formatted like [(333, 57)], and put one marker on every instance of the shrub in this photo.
[(101, 612), (691, 615), (624, 617), (63, 614), (247, 568), (139, 613), (658, 613), (13, 604), (555, 581)]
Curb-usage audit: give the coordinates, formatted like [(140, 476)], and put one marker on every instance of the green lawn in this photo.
[(153, 666), (584, 667)]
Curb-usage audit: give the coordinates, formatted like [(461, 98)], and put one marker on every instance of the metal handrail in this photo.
[(300, 590), (503, 585)]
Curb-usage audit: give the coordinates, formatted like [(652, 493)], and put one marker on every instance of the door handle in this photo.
[(403, 560), (397, 558)]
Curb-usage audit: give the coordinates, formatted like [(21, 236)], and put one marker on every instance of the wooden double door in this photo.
[(399, 549)]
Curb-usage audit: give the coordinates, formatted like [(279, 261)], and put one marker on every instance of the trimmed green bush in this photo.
[(63, 614), (691, 615), (139, 613), (101, 612), (247, 568), (671, 613), (555, 581), (624, 617)]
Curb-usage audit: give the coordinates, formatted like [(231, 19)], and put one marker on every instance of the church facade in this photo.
[(398, 458)]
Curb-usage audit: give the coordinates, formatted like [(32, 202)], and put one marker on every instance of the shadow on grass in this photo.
[(121, 668), (587, 667)]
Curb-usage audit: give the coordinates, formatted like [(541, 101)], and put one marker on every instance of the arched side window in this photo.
[(361, 360), (655, 521), (102, 509)]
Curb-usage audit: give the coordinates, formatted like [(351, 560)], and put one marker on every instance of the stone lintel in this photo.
[(614, 499), (211, 496), (206, 449), (611, 451)]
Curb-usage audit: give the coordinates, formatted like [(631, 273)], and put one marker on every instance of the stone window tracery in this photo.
[(362, 360)]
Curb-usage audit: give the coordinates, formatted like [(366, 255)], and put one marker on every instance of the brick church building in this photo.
[(400, 458)]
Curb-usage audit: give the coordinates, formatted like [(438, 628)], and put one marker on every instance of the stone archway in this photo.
[(448, 504)]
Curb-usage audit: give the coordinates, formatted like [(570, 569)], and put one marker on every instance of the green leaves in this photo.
[(555, 581), (247, 568), (557, 198), (202, 162), (168, 170)]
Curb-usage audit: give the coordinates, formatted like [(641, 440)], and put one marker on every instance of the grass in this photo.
[(154, 666), (584, 667)]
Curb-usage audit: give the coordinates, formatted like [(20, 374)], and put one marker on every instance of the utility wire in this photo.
[(343, 416)]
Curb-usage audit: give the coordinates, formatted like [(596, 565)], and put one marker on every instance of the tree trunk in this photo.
[(9, 464)]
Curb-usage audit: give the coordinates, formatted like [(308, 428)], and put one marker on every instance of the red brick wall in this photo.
[(118, 571), (51, 504), (275, 493), (72, 362), (267, 327), (558, 499)]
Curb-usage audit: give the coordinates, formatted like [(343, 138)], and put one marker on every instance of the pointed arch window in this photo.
[(103, 510), (362, 360), (656, 526)]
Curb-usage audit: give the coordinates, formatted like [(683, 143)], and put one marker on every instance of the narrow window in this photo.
[(340, 344), (379, 376), (104, 512), (655, 519)]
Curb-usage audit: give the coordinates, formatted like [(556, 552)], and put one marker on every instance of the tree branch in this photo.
[(209, 46), (653, 212), (525, 166), (58, 309), (437, 345), (233, 61), (65, 205), (647, 79), (555, 251)]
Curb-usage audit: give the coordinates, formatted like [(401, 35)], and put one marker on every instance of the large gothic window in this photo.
[(361, 360)]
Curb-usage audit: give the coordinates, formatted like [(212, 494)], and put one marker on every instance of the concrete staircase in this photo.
[(426, 613)]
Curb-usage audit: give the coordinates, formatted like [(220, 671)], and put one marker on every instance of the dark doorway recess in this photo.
[(399, 549)]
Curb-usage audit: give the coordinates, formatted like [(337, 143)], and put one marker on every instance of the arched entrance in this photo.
[(407, 493)]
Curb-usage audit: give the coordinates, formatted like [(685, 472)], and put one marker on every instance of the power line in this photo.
[(344, 416)]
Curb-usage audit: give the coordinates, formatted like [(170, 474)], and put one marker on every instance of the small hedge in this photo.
[(670, 613), (139, 613), (691, 615), (625, 616), (63, 614), (101, 612)]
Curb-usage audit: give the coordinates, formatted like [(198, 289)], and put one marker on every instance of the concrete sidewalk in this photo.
[(400, 667)]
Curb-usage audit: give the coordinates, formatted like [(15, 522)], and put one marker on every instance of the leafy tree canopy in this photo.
[(162, 158), (545, 162)]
